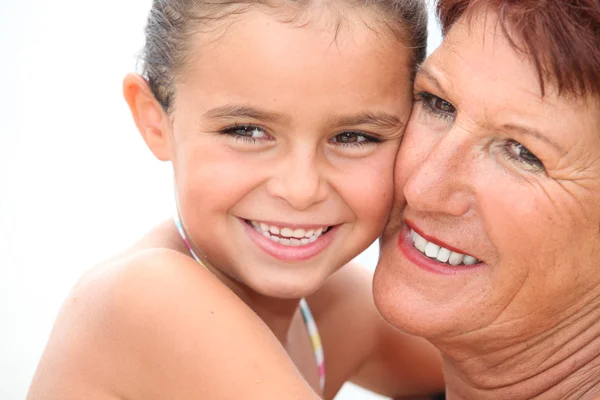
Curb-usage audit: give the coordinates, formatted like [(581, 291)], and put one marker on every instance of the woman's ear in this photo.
[(150, 118)]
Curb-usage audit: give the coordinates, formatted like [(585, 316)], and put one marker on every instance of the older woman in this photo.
[(493, 252)]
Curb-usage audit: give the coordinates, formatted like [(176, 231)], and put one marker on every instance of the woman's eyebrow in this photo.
[(527, 131), (426, 73), (430, 76), (244, 111)]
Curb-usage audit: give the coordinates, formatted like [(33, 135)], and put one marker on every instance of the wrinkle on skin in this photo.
[(522, 355), (523, 322)]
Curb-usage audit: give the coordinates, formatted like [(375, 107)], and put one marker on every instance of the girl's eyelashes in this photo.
[(247, 133), (436, 106), (521, 155), (353, 139), (255, 134)]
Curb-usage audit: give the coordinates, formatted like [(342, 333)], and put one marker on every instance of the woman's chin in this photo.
[(430, 312)]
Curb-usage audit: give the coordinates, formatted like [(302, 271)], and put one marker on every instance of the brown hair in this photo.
[(171, 23), (561, 37)]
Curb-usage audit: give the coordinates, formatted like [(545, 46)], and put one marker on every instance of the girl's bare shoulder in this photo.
[(154, 324)]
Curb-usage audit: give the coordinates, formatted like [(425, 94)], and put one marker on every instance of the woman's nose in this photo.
[(440, 179)]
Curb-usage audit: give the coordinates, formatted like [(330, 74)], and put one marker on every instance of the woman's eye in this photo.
[(521, 154), (247, 132), (442, 105), (436, 105), (353, 139)]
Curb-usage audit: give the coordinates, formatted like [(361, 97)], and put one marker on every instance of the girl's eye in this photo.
[(521, 154), (249, 133), (437, 106), (353, 139)]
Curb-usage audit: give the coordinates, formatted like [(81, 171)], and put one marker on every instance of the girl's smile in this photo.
[(287, 242)]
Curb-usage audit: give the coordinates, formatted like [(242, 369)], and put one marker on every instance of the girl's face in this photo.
[(283, 141)]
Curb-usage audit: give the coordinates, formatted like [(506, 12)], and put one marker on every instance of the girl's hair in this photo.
[(172, 24), (560, 37)]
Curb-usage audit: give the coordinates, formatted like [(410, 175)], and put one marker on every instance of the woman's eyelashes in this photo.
[(515, 151), (521, 155), (436, 106)]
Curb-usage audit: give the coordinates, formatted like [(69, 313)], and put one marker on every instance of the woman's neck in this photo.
[(561, 363)]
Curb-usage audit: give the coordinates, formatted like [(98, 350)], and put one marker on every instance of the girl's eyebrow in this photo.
[(379, 119), (244, 111)]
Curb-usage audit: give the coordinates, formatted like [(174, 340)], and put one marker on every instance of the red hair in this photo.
[(561, 37)]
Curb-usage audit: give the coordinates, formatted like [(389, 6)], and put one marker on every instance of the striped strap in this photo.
[(311, 327)]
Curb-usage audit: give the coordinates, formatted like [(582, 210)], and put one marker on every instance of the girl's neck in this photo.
[(277, 314), (561, 363)]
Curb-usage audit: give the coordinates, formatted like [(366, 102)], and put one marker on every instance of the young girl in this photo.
[(282, 120)]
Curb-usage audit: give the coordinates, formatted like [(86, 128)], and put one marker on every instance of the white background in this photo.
[(76, 182)]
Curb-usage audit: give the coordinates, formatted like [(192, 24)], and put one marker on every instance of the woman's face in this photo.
[(499, 181), (283, 143)]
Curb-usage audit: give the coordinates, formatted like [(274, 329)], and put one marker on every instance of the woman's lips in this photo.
[(407, 246)]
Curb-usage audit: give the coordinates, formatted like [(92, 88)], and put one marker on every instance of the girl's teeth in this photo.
[(439, 253), (299, 233), (286, 232), (288, 236)]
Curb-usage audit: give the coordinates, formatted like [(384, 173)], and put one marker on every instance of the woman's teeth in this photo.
[(288, 236), (441, 254)]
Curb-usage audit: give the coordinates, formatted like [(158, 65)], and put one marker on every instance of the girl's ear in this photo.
[(149, 116)]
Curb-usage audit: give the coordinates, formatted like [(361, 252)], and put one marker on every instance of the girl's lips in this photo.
[(407, 248), (289, 253)]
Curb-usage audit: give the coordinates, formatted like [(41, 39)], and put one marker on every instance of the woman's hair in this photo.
[(173, 23), (560, 37)]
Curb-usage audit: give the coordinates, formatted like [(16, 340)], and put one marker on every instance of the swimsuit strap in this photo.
[(315, 339), (177, 221), (309, 321)]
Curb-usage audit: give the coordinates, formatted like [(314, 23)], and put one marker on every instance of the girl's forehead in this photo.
[(257, 37), (336, 28), (303, 72)]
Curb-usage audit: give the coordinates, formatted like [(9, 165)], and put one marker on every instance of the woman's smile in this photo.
[(432, 254)]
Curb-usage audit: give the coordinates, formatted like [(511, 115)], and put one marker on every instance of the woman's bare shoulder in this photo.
[(156, 325)]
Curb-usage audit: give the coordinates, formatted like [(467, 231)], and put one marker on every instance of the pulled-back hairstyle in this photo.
[(560, 37), (172, 23)]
